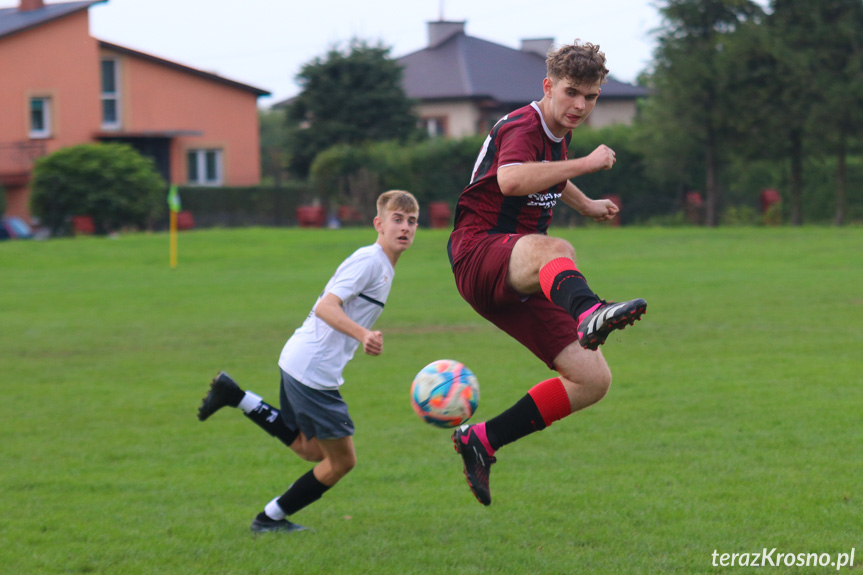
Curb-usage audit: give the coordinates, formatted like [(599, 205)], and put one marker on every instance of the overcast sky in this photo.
[(264, 43)]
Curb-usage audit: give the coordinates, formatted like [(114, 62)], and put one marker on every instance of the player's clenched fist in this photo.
[(373, 343), (602, 158)]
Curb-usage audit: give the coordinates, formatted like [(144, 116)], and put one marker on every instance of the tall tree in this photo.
[(807, 104), (351, 96), (786, 113), (274, 139), (837, 47), (691, 104)]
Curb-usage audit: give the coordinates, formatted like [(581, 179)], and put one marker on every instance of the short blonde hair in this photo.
[(581, 63), (397, 200)]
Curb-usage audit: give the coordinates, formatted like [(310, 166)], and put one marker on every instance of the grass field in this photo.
[(733, 423)]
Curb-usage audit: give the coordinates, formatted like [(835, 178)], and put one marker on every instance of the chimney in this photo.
[(441, 30), (30, 5), (539, 46)]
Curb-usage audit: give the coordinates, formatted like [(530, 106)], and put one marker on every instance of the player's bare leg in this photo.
[(339, 458), (308, 449), (529, 255), (585, 375), (547, 264)]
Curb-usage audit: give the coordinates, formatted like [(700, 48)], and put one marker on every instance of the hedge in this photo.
[(437, 170), (245, 206)]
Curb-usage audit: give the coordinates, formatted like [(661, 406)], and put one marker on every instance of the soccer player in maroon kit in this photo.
[(524, 281)]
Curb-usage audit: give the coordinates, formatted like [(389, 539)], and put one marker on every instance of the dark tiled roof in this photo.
[(464, 67), (182, 68), (12, 20), (467, 67), (617, 89)]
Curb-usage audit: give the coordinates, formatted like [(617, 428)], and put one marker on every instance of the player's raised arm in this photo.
[(532, 177)]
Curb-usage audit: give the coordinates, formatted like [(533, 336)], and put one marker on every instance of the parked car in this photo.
[(14, 229)]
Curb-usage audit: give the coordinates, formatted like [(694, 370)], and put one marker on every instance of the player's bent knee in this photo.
[(600, 384), (559, 248), (542, 247), (593, 385), (349, 464), (307, 451), (342, 467), (313, 456), (602, 390)]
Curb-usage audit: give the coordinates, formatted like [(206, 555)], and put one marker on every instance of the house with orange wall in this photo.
[(59, 86)]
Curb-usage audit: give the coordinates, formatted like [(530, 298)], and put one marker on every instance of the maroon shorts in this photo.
[(540, 325)]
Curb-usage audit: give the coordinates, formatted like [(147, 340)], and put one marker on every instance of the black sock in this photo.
[(270, 420), (305, 491), (521, 419), (571, 292), (235, 396)]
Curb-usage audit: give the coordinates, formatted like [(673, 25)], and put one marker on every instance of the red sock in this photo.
[(564, 285), (551, 400), (549, 271)]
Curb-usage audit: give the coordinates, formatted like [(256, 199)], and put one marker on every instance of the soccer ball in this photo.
[(445, 393)]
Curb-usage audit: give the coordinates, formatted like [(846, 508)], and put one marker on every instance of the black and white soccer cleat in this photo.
[(603, 318)]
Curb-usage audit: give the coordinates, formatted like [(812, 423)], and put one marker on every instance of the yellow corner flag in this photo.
[(174, 205)]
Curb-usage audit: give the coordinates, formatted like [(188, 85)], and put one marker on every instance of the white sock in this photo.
[(250, 402), (273, 510)]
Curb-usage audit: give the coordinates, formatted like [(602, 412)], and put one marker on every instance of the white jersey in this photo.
[(316, 354)]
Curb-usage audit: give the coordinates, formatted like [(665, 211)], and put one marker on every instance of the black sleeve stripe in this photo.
[(371, 300)]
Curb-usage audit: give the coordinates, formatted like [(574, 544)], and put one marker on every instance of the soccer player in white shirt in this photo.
[(313, 418)]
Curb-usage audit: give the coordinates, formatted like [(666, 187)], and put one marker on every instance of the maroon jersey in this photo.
[(517, 138)]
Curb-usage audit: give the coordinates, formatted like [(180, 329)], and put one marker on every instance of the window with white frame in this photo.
[(435, 126), (40, 117), (204, 167), (110, 94)]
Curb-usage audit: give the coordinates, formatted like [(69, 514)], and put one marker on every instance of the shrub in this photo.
[(440, 169), (435, 170), (229, 206), (347, 175), (111, 183), (742, 215)]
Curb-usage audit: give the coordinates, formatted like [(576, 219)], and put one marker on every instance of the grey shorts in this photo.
[(317, 413)]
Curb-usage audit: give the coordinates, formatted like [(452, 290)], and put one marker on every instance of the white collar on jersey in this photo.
[(548, 133)]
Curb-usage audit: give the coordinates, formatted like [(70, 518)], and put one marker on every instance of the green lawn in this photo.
[(733, 423)]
